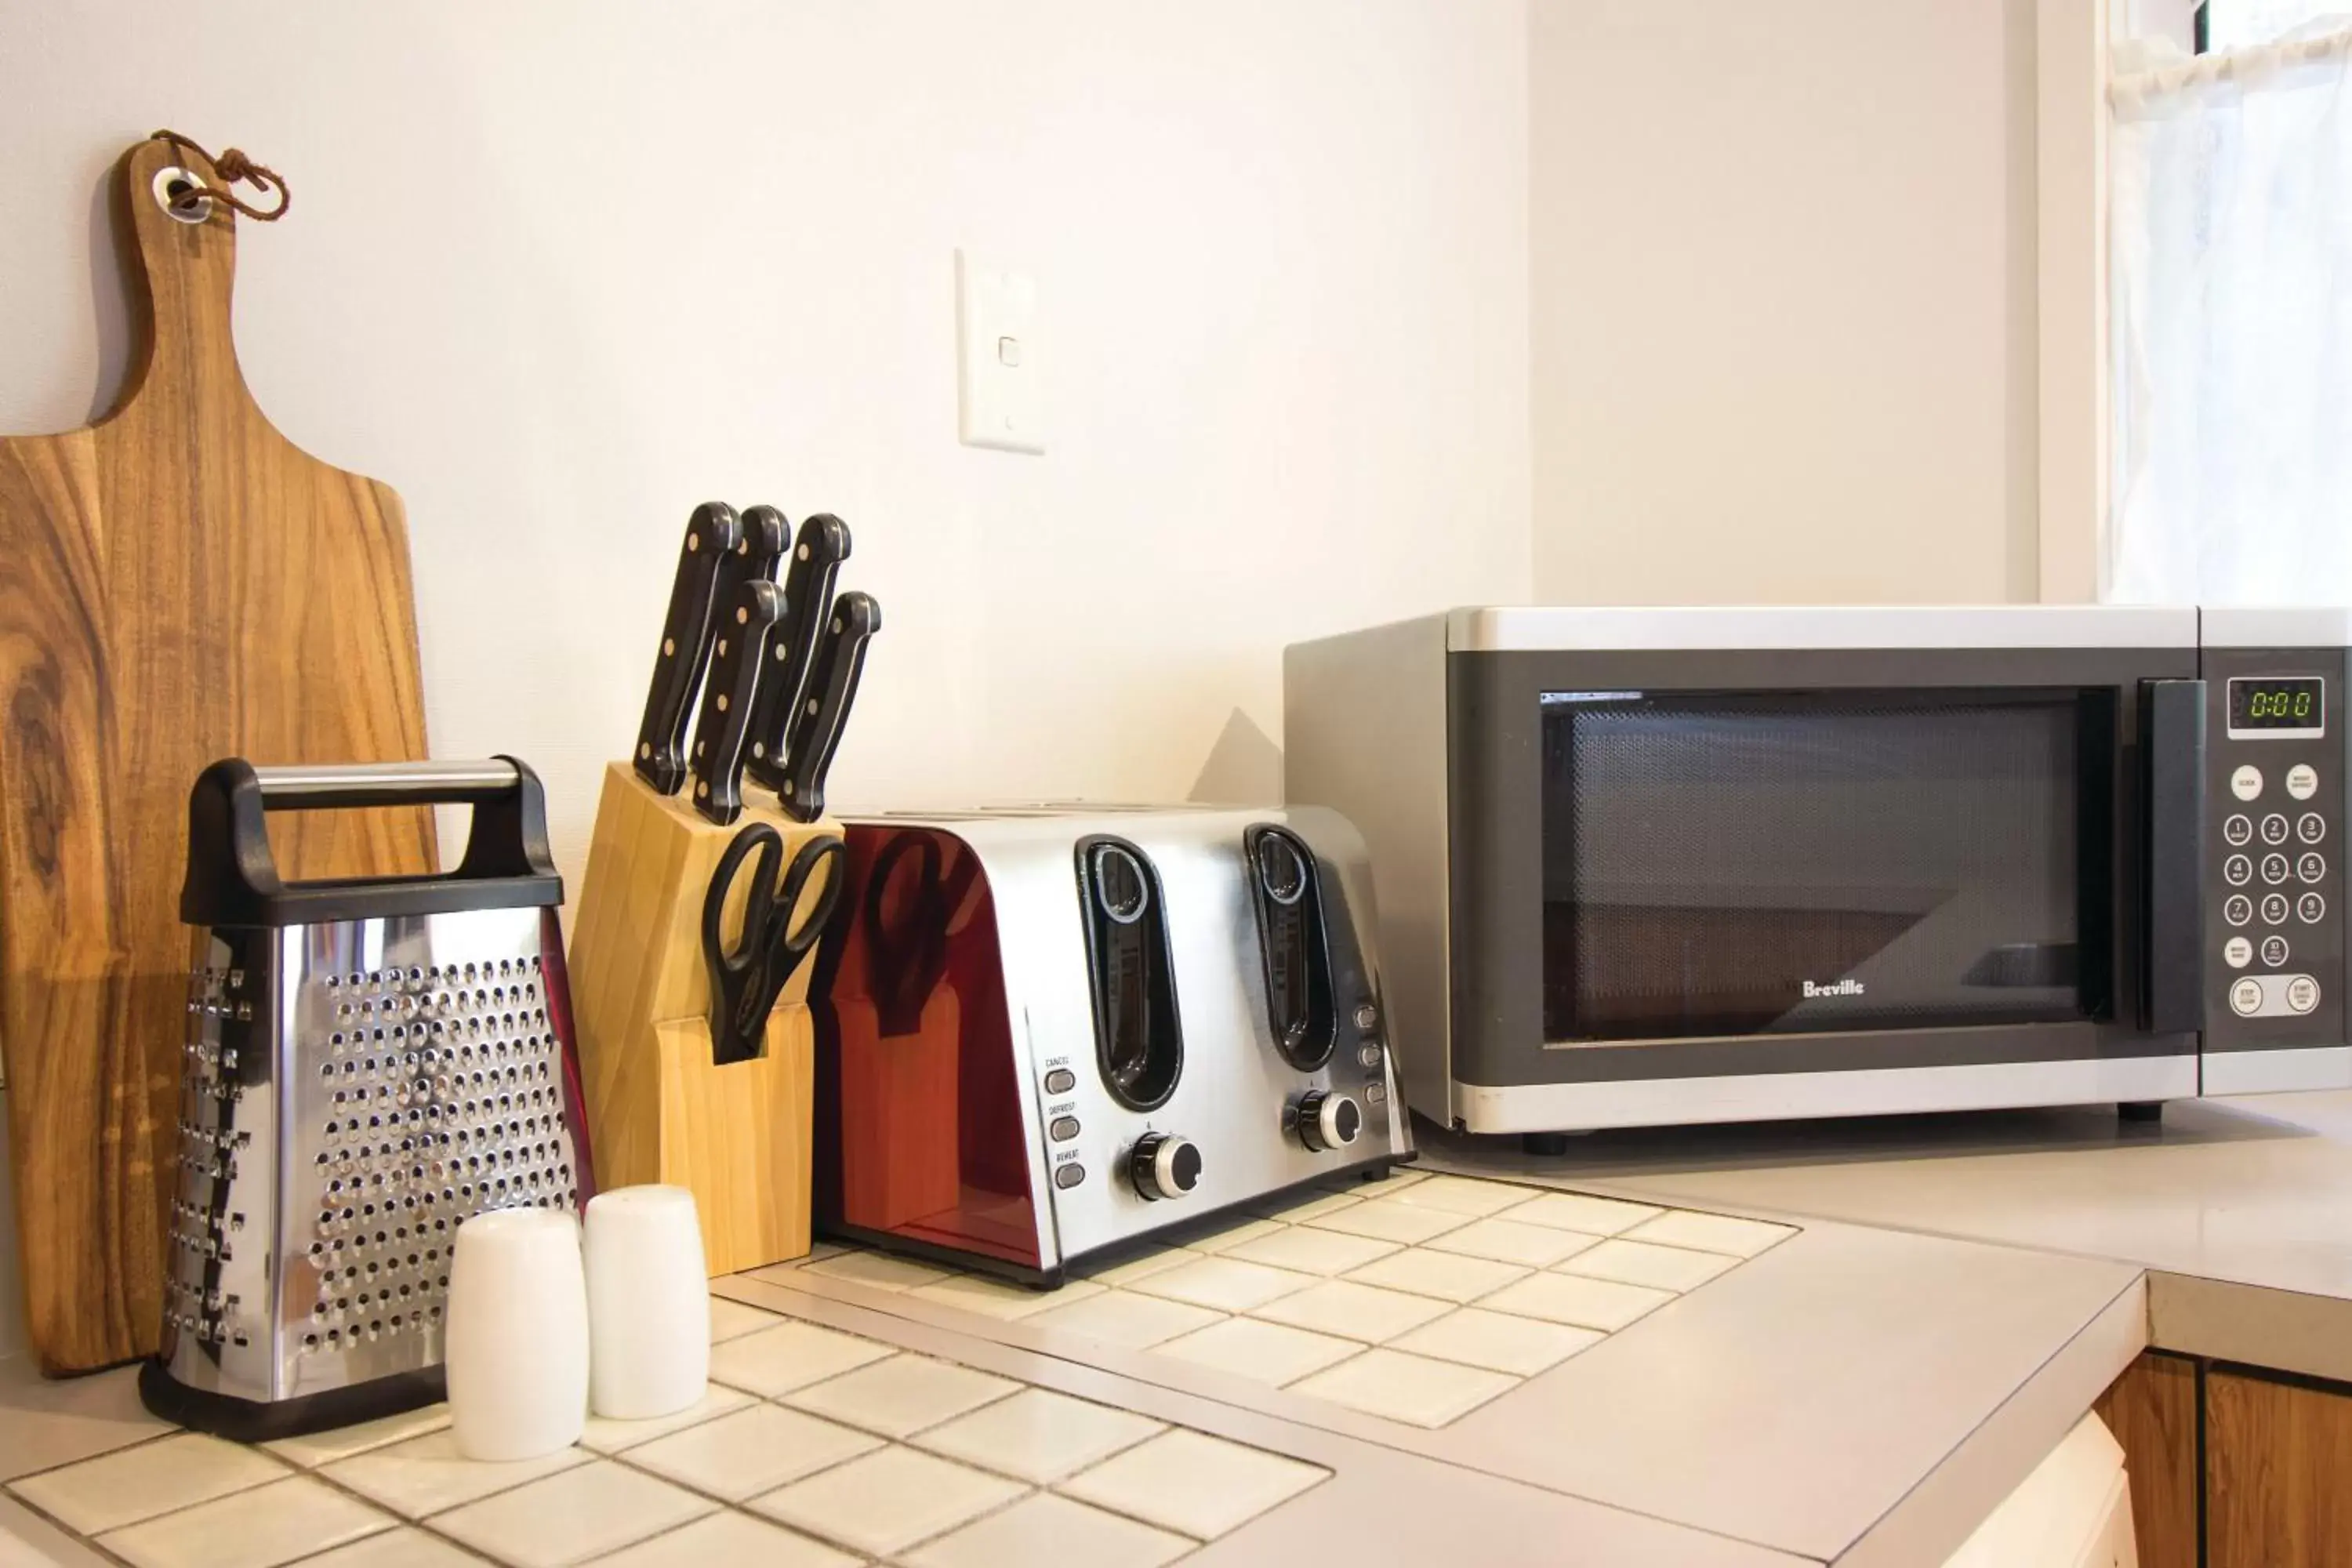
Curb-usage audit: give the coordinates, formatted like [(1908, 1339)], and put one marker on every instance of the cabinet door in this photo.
[(2277, 1459)]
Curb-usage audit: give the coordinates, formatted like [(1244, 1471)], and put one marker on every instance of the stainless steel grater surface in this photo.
[(367, 1065)]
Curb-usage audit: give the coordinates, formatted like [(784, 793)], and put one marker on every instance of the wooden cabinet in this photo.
[(2278, 1473), (2231, 1467)]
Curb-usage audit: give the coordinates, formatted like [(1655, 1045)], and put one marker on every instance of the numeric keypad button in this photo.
[(2275, 828), (2237, 870), (2275, 952), (2311, 909), (2312, 828), (2312, 868), (2275, 869), (2238, 909), (2239, 829), (2274, 908)]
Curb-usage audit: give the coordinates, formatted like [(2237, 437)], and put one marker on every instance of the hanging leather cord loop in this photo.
[(232, 166)]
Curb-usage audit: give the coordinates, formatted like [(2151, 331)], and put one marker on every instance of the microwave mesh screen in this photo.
[(1724, 864)]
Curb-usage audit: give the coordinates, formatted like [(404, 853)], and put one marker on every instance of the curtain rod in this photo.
[(2240, 67)]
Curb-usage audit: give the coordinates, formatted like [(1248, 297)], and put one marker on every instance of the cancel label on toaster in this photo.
[(1835, 988)]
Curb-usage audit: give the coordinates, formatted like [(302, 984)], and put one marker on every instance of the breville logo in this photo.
[(1837, 988)]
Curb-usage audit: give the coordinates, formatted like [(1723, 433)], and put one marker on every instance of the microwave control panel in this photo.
[(2276, 793)]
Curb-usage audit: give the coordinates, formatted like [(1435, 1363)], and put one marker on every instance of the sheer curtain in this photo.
[(2230, 250)]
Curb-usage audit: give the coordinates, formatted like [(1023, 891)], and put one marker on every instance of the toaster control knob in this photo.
[(1163, 1165), (1327, 1121)]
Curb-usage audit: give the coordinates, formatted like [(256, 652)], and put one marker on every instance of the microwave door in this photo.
[(1753, 863)]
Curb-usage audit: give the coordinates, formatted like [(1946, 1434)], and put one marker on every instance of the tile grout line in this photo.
[(149, 1441), (91, 1538)]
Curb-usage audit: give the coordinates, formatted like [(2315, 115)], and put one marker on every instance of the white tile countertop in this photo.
[(1493, 1370), (2241, 1210)]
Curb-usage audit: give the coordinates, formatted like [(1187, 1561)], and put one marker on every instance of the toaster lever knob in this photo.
[(1328, 1121), (1163, 1165)]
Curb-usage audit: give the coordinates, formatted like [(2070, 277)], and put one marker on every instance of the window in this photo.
[(2243, 24), (2231, 313)]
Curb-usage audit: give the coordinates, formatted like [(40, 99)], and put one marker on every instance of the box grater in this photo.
[(368, 1063)]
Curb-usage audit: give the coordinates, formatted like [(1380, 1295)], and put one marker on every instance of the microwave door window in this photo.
[(1756, 863)]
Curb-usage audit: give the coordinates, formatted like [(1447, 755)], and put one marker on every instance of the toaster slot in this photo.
[(1289, 896), (1130, 972)]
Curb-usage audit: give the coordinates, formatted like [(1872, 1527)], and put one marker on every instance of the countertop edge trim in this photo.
[(1944, 1507)]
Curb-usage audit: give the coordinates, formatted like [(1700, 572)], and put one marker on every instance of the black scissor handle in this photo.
[(792, 940), (746, 980), (759, 904)]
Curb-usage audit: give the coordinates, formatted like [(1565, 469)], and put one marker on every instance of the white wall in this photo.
[(1782, 283), (559, 271)]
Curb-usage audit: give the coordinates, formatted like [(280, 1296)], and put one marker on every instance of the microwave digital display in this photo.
[(2267, 705)]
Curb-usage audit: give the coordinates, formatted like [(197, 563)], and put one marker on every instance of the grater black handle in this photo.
[(232, 877)]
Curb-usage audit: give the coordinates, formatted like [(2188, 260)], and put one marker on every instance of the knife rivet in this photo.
[(669, 647), (759, 749), (644, 750), (742, 616), (722, 702), (694, 542), (812, 704), (701, 789), (802, 553), (780, 652), (723, 647)]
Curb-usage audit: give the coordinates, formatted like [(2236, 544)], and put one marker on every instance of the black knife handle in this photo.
[(766, 532), (817, 555), (747, 623), (824, 707), (758, 543), (713, 534)]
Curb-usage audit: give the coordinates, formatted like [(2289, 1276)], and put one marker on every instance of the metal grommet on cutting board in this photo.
[(176, 189)]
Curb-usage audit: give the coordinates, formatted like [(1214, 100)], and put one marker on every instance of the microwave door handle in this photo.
[(2172, 731)]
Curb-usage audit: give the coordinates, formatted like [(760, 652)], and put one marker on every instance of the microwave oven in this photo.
[(1654, 866)]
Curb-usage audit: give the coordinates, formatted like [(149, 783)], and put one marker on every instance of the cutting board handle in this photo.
[(185, 275)]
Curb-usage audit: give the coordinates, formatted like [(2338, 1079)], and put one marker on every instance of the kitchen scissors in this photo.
[(909, 953), (746, 980)]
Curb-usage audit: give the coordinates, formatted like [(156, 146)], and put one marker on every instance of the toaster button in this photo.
[(1070, 1175), (1061, 1080), (1064, 1128)]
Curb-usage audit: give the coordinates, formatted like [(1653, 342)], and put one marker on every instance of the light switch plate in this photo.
[(997, 357)]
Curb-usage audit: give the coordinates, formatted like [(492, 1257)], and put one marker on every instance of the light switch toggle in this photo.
[(1008, 352)]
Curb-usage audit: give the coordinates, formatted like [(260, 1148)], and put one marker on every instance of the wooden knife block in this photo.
[(737, 1136)]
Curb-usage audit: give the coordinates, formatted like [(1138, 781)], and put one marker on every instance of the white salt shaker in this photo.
[(517, 1349), (648, 1303)]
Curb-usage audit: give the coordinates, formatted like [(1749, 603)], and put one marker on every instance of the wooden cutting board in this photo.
[(180, 585)]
